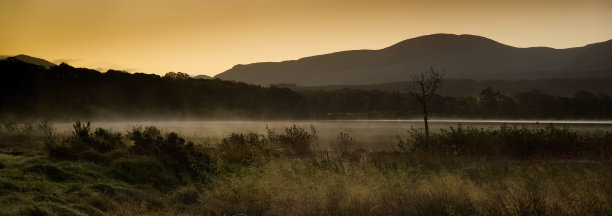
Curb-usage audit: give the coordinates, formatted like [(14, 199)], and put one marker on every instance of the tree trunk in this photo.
[(426, 125)]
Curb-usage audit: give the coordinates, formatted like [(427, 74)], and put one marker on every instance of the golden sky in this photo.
[(210, 36)]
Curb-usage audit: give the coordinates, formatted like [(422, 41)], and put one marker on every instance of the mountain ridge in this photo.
[(30, 59), (461, 56)]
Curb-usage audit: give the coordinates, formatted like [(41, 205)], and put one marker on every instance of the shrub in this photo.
[(298, 139), (105, 140), (416, 140), (61, 151), (462, 141), (10, 126), (512, 142), (92, 156), (171, 150), (147, 171), (327, 161), (20, 136), (83, 145), (344, 144), (245, 149), (144, 139), (598, 145)]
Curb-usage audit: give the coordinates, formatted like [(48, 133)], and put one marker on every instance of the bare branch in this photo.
[(426, 85)]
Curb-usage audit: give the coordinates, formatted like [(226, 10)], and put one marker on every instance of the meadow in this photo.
[(297, 169)]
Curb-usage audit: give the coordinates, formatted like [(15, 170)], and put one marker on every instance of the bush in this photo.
[(171, 150), (83, 145), (415, 137), (462, 141), (105, 140), (245, 149), (145, 140), (598, 145), (298, 139), (344, 144), (147, 171), (511, 142), (22, 137)]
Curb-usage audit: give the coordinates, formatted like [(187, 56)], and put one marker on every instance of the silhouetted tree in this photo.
[(494, 104), (427, 83), (177, 76), (488, 100)]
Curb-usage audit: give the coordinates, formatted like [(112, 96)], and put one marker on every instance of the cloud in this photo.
[(101, 69), (116, 67), (67, 61)]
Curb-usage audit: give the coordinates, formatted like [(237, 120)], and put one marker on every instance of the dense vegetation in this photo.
[(64, 92), (457, 171), (473, 87)]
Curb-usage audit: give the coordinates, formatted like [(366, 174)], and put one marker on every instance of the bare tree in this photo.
[(426, 84)]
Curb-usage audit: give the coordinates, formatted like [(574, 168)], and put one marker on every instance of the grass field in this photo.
[(457, 171)]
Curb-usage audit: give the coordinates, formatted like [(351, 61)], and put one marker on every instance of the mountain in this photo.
[(31, 60), (460, 56), (594, 57)]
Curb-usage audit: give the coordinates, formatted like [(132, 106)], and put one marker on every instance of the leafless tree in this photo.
[(426, 84)]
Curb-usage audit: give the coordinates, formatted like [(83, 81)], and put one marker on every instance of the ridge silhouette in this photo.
[(31, 60), (462, 56)]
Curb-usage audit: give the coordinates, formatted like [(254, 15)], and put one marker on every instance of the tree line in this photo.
[(66, 92)]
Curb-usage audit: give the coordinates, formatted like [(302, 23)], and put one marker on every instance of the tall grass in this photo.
[(284, 187), (21, 137), (247, 149), (458, 171)]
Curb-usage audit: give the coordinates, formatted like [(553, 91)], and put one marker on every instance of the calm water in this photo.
[(374, 134)]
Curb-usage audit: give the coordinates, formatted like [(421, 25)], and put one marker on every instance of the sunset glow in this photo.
[(209, 37)]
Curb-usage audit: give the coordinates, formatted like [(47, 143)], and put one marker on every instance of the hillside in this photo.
[(461, 56), (31, 60)]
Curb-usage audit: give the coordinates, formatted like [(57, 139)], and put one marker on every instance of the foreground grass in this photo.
[(297, 187), (256, 181)]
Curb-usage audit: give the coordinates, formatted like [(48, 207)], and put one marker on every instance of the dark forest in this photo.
[(65, 93)]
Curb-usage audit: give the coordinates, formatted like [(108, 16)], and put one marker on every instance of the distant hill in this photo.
[(31, 60), (461, 56), (594, 57)]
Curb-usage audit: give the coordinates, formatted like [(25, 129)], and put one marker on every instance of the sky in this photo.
[(210, 36)]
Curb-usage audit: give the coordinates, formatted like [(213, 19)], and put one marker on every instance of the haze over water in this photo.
[(373, 134)]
